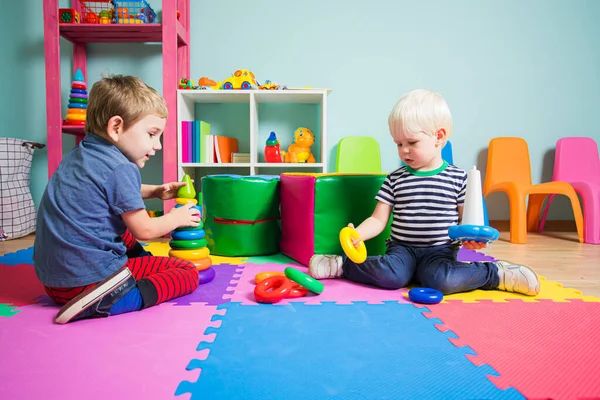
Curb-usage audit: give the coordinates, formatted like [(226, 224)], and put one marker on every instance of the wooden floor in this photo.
[(556, 255)]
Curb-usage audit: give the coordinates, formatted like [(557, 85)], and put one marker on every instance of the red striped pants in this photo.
[(159, 278)]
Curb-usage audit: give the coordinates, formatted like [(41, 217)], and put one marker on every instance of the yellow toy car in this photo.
[(241, 79)]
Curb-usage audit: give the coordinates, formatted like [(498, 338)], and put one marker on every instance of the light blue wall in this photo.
[(519, 68)]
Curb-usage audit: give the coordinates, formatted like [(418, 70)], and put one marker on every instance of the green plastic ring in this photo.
[(187, 244), (305, 280), (192, 228)]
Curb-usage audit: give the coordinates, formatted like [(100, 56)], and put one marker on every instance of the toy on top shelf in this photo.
[(472, 226), (268, 85), (117, 12), (272, 150), (299, 151), (241, 79), (68, 16), (78, 99)]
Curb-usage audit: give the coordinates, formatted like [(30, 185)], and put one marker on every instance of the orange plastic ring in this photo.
[(202, 264), (261, 276), (272, 289)]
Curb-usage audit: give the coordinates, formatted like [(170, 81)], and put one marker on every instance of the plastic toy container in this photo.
[(133, 12), (97, 12)]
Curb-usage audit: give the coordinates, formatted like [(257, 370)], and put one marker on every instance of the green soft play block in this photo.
[(241, 214), (339, 200)]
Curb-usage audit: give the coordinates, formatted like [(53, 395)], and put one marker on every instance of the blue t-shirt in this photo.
[(79, 225)]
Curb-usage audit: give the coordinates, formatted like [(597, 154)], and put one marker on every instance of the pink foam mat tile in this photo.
[(139, 355), (546, 349), (339, 291)]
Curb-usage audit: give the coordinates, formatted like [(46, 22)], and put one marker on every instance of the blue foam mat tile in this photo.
[(330, 351), (24, 256)]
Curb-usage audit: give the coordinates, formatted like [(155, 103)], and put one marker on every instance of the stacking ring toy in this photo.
[(478, 233), (280, 285), (202, 264), (195, 235), (305, 280), (357, 255), (206, 275), (77, 105), (190, 228), (190, 254), (261, 276), (187, 244), (425, 295), (182, 201)]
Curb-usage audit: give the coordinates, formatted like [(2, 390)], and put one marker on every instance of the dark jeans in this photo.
[(433, 267)]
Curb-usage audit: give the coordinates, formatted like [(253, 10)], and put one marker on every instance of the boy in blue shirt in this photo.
[(426, 197), (85, 251)]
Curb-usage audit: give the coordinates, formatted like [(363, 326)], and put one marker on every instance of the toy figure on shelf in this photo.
[(299, 151), (272, 151), (241, 79)]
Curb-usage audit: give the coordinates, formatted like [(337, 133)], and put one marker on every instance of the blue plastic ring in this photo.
[(82, 91), (478, 233), (188, 235), (425, 295), (206, 275), (77, 105), (196, 207)]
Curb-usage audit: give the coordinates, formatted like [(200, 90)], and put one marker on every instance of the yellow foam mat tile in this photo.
[(549, 290), (161, 249)]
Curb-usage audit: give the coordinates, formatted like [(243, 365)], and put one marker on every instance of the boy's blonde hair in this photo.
[(420, 110), (126, 96)]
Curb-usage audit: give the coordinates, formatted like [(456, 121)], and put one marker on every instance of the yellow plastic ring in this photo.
[(357, 255), (190, 255), (261, 276), (181, 200)]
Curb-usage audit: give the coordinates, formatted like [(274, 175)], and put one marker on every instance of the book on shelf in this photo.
[(240, 158), (199, 146)]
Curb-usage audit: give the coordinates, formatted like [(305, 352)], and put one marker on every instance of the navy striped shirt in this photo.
[(425, 204)]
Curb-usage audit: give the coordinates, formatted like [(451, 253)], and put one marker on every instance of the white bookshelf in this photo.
[(187, 106)]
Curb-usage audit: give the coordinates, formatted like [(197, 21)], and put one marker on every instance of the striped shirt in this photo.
[(425, 204)]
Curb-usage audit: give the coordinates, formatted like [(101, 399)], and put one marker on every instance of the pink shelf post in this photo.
[(176, 65), (52, 64)]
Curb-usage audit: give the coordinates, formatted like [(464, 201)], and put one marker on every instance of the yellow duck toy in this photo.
[(299, 151)]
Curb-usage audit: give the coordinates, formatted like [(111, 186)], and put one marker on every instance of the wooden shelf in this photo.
[(118, 33)]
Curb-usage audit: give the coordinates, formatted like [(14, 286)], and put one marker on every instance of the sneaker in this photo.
[(517, 278), (325, 267), (97, 301)]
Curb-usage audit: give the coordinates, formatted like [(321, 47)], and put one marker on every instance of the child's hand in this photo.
[(186, 215), (167, 191), (355, 241), (473, 245)]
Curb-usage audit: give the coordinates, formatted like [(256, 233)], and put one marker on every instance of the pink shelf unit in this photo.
[(174, 35)]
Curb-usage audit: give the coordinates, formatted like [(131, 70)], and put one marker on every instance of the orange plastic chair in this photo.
[(509, 171)]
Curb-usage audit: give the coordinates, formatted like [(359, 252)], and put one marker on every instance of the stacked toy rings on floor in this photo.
[(189, 243)]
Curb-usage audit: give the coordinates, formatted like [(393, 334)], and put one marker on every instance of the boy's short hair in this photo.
[(126, 96), (420, 110)]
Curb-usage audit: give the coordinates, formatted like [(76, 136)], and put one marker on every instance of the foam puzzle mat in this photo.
[(352, 341)]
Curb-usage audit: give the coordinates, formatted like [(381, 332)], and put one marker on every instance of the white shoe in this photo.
[(325, 267), (517, 278)]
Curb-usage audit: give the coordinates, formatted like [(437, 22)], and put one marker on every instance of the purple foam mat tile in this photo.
[(472, 256), (138, 355), (213, 292)]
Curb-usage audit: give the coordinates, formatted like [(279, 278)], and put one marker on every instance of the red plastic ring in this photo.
[(297, 291), (281, 288)]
